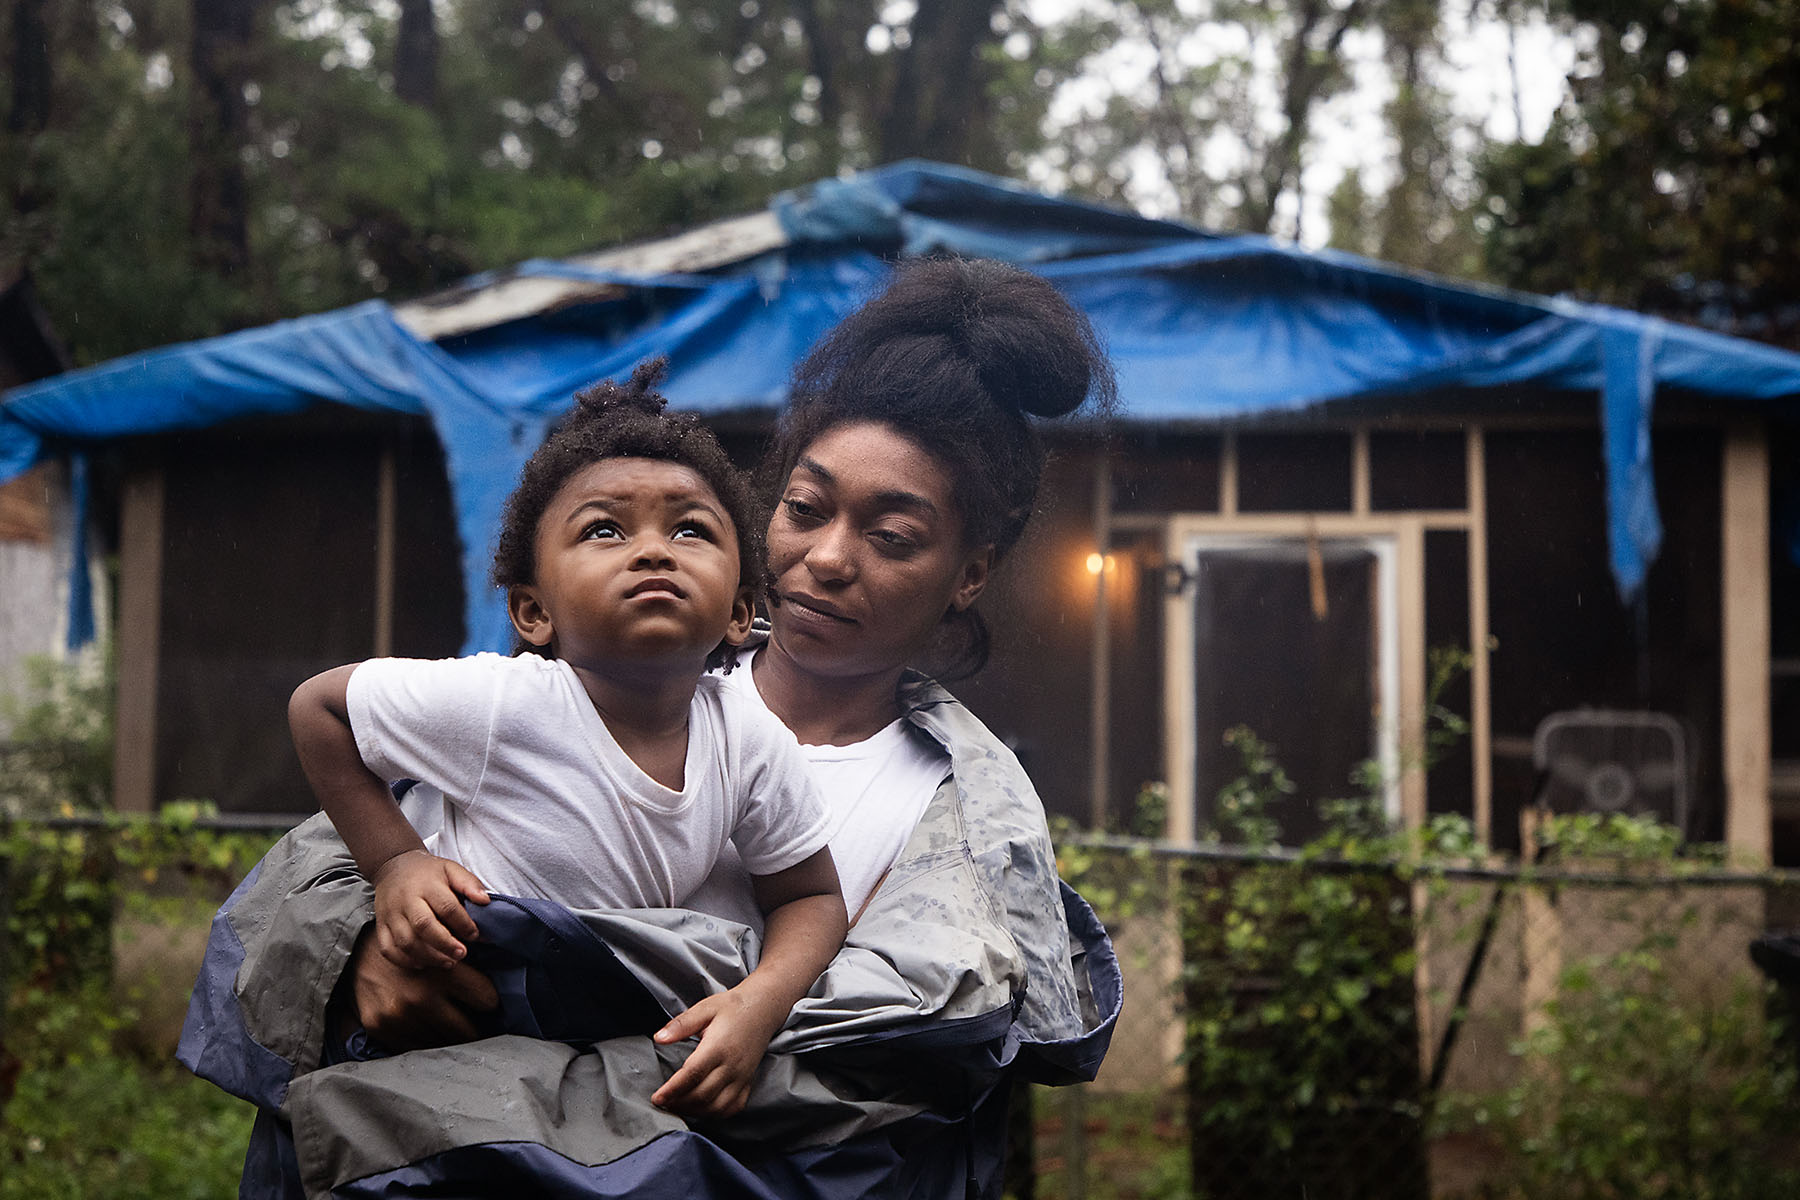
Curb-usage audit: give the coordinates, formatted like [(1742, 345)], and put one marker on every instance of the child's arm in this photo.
[(804, 924), (418, 916)]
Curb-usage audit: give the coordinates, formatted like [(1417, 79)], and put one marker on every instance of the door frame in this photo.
[(1406, 533)]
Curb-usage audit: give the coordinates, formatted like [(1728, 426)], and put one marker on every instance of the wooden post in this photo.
[(1540, 933), (1100, 700), (1074, 1142), (1228, 476), (1359, 471), (1744, 645), (1409, 565), (1481, 721), (386, 505), (1179, 749), (139, 638)]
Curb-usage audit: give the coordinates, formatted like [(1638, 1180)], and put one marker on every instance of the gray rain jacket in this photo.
[(972, 967)]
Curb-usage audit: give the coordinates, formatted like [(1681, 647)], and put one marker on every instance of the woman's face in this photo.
[(866, 547)]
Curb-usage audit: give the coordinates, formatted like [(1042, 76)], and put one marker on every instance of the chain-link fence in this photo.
[(1298, 1025)]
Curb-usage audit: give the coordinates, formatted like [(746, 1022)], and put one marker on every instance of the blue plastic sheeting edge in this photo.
[(1201, 328)]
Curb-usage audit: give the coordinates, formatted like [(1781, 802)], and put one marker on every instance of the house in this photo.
[(37, 517), (1326, 467)]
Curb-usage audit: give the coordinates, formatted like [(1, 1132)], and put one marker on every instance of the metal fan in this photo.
[(1608, 761)]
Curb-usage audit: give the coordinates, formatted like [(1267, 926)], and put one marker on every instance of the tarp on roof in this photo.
[(1201, 327)]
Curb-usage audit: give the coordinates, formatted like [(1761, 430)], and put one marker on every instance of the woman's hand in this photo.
[(734, 1028), (407, 1009)]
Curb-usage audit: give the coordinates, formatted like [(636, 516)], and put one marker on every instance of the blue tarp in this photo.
[(1202, 327)]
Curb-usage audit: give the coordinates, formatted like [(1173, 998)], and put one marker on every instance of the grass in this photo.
[(115, 1125), (1132, 1146)]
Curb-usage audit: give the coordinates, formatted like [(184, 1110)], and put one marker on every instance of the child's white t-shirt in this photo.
[(539, 799), (874, 793)]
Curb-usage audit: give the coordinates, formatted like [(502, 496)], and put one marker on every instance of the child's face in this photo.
[(637, 561)]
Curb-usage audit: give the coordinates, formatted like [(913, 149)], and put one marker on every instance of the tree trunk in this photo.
[(1403, 223), (218, 122), (1304, 76), (938, 103), (823, 60), (30, 110), (416, 54)]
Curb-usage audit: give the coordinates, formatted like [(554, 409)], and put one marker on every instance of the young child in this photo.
[(597, 766)]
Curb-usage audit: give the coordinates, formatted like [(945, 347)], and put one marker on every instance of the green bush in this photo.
[(1626, 1095), (86, 1119), (1302, 1061), (96, 1109), (1662, 1068), (56, 738), (1638, 1083), (61, 884)]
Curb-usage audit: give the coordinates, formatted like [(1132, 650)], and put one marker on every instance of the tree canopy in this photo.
[(177, 168), (1669, 180)]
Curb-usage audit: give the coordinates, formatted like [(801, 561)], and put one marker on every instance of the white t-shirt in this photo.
[(874, 793), (539, 799)]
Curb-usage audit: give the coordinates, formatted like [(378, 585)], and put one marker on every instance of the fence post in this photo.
[(1540, 932), (5, 944), (1074, 1140)]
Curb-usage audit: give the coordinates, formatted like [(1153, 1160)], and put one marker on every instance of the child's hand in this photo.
[(734, 1029), (418, 916)]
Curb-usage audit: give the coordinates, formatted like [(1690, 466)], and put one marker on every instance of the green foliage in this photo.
[(1243, 804), (1118, 885), (1636, 1088), (1298, 980), (564, 128), (1126, 1139), (1670, 179), (57, 754), (97, 200), (1608, 837), (63, 885), (95, 1111), (1652, 1072), (548, 131), (87, 1119), (1230, 101)]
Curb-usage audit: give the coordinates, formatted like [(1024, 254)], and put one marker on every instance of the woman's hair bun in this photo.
[(1034, 352)]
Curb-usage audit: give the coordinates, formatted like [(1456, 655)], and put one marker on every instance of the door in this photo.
[(1294, 638)]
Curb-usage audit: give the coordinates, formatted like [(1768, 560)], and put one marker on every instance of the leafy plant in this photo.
[(1619, 839), (92, 1109), (1119, 884), (1630, 1090), (1648, 1075), (1302, 1073), (62, 885), (88, 1119), (1128, 1145), (56, 753)]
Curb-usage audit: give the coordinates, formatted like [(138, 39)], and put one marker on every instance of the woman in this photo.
[(907, 469)]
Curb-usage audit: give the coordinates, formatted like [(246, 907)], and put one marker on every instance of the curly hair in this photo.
[(956, 355), (630, 420)]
